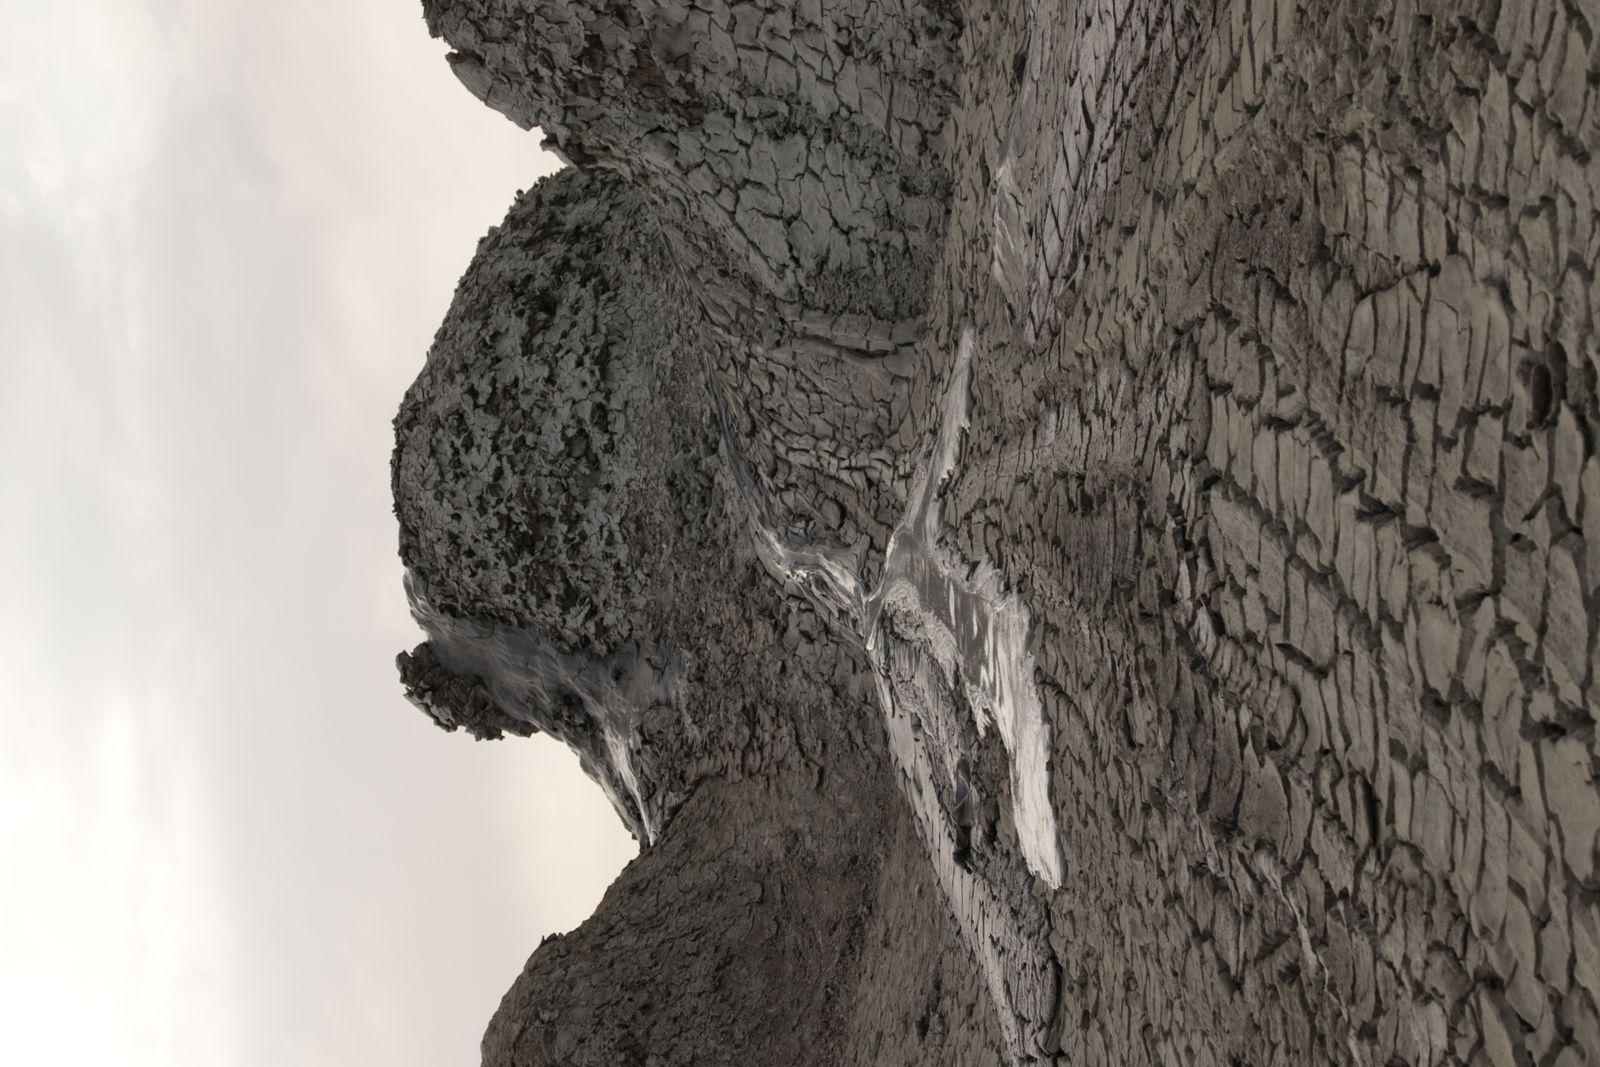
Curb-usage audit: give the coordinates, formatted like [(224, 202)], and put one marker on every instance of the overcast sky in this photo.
[(228, 230)]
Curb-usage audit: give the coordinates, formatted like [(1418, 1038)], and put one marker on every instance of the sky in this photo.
[(228, 230)]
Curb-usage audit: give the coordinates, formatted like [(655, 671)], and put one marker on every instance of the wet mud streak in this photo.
[(595, 704), (948, 646), (974, 629)]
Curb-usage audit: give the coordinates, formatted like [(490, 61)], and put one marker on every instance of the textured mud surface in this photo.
[(1070, 531)]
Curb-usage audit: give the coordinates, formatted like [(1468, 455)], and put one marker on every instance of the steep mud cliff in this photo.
[(1069, 532)]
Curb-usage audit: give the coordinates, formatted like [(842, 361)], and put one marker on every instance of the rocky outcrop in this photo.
[(713, 111), (779, 919), (571, 531), (580, 563), (1180, 490), (801, 152)]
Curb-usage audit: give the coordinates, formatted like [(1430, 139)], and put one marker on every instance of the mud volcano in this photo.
[(1070, 533)]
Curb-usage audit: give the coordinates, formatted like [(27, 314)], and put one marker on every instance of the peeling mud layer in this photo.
[(1069, 532)]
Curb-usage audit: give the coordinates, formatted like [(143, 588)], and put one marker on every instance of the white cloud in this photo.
[(225, 242), (124, 925)]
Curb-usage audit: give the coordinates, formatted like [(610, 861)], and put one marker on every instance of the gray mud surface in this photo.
[(1070, 532)]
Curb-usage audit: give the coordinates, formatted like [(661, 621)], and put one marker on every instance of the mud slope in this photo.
[(1069, 532)]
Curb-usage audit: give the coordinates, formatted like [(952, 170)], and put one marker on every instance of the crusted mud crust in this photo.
[(1070, 532)]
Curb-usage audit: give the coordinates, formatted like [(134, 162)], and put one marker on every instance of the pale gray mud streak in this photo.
[(525, 673), (949, 647)]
